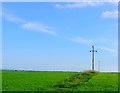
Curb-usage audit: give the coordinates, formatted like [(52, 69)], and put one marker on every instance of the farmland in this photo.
[(101, 82), (51, 81), (32, 81)]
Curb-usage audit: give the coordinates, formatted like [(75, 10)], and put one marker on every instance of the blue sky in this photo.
[(58, 36)]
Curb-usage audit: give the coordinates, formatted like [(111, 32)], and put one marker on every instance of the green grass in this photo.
[(32, 81), (37, 81), (76, 80), (101, 82)]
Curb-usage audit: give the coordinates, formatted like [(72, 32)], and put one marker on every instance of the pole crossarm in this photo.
[(93, 50)]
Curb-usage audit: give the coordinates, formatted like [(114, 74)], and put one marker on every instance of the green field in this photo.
[(72, 81), (101, 82)]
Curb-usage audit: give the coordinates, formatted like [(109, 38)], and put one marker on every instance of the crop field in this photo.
[(31, 81), (52, 81), (101, 82)]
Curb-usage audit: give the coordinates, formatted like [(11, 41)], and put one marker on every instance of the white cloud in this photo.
[(115, 3), (97, 42), (92, 41), (78, 4), (34, 26), (82, 40), (108, 49), (12, 18), (39, 27), (110, 14)]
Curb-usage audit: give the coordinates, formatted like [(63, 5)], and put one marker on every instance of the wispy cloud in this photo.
[(98, 42), (12, 18), (39, 27), (33, 26), (82, 40), (92, 3), (90, 41), (110, 14), (78, 4), (86, 3), (108, 49), (36, 26)]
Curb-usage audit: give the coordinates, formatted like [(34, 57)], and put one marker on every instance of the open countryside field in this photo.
[(52, 81), (101, 82), (31, 81)]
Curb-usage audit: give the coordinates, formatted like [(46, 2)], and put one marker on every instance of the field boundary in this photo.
[(76, 80)]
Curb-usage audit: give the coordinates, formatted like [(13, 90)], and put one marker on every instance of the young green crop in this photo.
[(37, 81), (31, 81), (76, 80), (101, 82)]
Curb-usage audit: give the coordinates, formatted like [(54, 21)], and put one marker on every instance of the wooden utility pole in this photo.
[(93, 56)]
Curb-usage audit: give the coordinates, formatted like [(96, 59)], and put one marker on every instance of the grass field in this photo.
[(32, 81), (101, 82), (37, 81)]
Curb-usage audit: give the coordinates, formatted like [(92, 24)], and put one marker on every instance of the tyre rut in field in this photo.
[(75, 80)]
